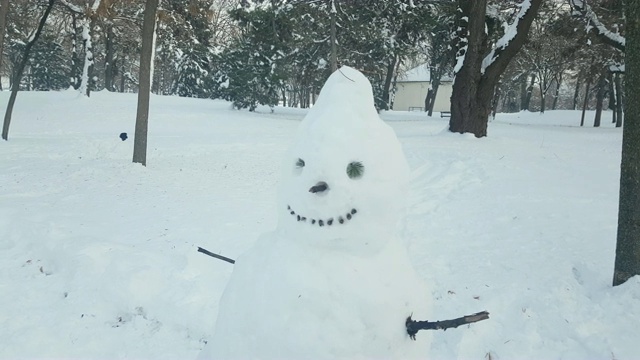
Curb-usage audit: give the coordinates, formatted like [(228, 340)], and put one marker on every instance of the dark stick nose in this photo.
[(319, 187)]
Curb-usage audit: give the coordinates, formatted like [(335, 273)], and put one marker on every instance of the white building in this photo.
[(412, 87)]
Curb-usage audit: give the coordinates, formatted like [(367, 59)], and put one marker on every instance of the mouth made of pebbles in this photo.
[(341, 219)]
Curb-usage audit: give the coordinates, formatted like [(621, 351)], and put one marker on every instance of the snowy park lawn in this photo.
[(98, 255)]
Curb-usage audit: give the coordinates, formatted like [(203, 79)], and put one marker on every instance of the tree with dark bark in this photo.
[(527, 91), (618, 93), (439, 60), (479, 63), (20, 70), (587, 87), (602, 85), (334, 45), (549, 52), (594, 24), (627, 263), (142, 115), (4, 10)]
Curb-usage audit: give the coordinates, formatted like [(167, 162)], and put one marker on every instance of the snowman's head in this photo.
[(344, 179)]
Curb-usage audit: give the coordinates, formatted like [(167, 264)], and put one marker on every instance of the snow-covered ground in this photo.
[(98, 255)]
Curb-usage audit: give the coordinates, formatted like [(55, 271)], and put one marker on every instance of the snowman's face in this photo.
[(327, 202), (345, 187)]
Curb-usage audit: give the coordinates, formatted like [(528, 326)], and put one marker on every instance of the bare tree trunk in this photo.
[(4, 9), (430, 100), (110, 62), (602, 83), (386, 96), (435, 77), (87, 69), (467, 112), (523, 90), (543, 95), (557, 93), (619, 101), (586, 100), (614, 113), (576, 93), (144, 92), (122, 77), (473, 88), (627, 263), (495, 101), (613, 106), (526, 103), (20, 70), (334, 55), (76, 72), (300, 95), (314, 95)]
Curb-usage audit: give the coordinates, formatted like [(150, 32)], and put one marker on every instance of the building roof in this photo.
[(420, 73)]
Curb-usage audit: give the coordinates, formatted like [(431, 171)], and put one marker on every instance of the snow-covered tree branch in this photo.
[(510, 43), (593, 23)]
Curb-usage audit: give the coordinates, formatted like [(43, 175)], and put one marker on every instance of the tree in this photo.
[(19, 71), (439, 60), (334, 45), (627, 263), (617, 81), (142, 115), (285, 48), (549, 51), (254, 64), (479, 65), (4, 10), (88, 26), (48, 64), (595, 25)]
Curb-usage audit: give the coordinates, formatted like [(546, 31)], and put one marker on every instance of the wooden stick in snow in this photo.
[(224, 258), (414, 326)]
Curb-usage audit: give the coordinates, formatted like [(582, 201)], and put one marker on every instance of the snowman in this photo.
[(334, 279)]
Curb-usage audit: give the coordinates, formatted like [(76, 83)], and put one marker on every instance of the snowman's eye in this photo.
[(355, 169), (300, 163)]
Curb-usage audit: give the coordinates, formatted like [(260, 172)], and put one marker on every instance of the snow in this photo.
[(96, 5), (617, 68), (72, 7), (98, 255), (460, 56)]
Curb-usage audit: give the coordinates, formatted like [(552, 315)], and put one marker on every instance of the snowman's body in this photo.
[(334, 279)]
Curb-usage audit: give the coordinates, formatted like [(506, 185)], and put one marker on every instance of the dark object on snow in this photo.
[(207, 252), (123, 136), (319, 187), (414, 326)]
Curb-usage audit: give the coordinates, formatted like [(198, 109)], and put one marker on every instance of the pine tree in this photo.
[(49, 66), (255, 64), (184, 48)]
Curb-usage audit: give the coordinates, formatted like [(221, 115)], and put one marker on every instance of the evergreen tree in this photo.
[(292, 43), (49, 66), (184, 49), (255, 64)]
